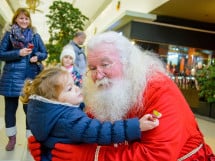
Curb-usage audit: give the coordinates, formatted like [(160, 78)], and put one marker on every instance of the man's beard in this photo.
[(112, 103)]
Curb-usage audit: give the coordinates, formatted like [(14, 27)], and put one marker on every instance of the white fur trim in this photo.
[(28, 133), (97, 153), (43, 99)]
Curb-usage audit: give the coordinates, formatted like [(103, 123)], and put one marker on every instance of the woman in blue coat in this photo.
[(22, 50)]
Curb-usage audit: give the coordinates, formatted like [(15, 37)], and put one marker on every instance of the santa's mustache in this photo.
[(103, 82)]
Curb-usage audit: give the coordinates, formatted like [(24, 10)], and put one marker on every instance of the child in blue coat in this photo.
[(54, 114)]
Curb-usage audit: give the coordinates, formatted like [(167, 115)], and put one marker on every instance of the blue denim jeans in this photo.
[(11, 105)]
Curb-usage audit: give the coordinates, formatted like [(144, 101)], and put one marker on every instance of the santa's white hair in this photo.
[(139, 66)]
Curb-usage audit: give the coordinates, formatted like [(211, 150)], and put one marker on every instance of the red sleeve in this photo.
[(177, 126)]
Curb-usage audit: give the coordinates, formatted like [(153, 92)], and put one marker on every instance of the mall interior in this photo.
[(181, 32)]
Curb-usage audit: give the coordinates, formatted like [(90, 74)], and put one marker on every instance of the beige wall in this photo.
[(110, 14), (5, 11)]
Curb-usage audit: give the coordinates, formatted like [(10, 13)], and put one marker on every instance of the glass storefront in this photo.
[(182, 62)]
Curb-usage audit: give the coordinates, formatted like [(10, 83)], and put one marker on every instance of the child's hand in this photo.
[(148, 122)]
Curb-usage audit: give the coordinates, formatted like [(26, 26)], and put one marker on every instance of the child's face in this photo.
[(70, 93), (67, 61)]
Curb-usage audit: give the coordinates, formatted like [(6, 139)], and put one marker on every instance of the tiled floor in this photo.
[(21, 153)]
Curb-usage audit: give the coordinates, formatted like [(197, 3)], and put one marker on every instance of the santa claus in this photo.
[(124, 82)]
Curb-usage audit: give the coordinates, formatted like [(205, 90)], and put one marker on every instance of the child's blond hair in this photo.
[(46, 84)]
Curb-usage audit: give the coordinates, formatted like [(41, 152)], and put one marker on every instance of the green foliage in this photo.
[(206, 81), (64, 21)]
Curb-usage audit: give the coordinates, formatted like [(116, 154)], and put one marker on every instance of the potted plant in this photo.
[(64, 21), (206, 82)]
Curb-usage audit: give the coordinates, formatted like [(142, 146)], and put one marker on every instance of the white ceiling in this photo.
[(199, 10), (89, 8)]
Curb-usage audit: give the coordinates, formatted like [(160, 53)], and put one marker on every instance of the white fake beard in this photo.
[(109, 104)]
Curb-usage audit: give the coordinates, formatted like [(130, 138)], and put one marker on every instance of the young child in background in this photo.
[(54, 114), (67, 59)]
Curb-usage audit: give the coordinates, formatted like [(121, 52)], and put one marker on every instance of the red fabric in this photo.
[(34, 147), (67, 152), (176, 135), (204, 154)]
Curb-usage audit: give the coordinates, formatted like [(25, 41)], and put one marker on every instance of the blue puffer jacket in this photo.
[(17, 68), (52, 122)]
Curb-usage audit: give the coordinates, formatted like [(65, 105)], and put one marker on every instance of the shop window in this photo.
[(182, 63)]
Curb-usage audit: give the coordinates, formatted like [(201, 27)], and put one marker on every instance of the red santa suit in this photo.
[(176, 138)]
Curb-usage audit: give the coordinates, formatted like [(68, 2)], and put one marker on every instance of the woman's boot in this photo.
[(11, 143)]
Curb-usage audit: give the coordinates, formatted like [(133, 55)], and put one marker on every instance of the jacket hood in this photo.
[(43, 114)]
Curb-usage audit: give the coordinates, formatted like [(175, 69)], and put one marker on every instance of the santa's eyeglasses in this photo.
[(104, 68)]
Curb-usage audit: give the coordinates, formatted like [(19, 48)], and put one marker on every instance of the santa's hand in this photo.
[(71, 152), (34, 148)]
